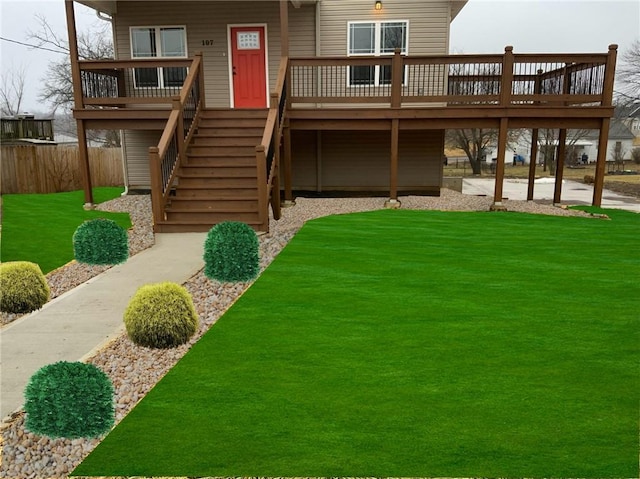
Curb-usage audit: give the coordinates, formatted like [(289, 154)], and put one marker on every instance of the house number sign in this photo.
[(248, 40), (207, 43)]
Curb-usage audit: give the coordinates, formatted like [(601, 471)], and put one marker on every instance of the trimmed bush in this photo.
[(23, 286), (70, 400), (100, 241), (161, 316), (231, 252)]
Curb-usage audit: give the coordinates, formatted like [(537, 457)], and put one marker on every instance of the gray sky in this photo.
[(483, 26)]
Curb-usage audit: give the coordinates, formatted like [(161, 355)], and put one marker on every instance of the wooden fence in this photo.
[(52, 169)]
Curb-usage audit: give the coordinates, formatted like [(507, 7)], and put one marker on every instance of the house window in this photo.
[(159, 42), (375, 38)]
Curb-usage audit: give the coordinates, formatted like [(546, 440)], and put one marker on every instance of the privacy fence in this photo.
[(53, 169)]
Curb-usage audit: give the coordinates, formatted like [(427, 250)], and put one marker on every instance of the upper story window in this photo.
[(159, 42), (375, 38)]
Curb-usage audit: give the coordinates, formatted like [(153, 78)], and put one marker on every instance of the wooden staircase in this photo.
[(218, 182)]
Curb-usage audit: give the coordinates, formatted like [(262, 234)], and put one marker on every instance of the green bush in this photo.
[(23, 287), (231, 252), (69, 400), (100, 241), (161, 316)]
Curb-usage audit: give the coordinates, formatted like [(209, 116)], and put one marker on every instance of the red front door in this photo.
[(248, 67)]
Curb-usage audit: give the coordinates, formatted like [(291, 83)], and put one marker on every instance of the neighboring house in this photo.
[(319, 95), (620, 139)]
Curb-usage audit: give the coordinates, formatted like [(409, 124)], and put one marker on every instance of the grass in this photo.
[(410, 344), (39, 227)]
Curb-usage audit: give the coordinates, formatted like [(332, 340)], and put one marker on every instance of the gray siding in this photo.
[(428, 23), (208, 20), (360, 160), (137, 143)]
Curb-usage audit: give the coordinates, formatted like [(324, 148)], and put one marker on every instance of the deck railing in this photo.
[(165, 159), (453, 80), (115, 83), (26, 128), (268, 151)]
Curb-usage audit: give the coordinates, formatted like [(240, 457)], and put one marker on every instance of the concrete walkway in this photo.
[(573, 192), (81, 320)]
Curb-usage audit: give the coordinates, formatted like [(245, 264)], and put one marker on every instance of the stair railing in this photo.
[(268, 151), (166, 158)]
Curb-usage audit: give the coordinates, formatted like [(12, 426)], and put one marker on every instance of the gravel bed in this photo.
[(135, 370)]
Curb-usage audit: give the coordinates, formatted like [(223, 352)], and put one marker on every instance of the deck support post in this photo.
[(502, 150), (288, 193), (598, 182), (557, 193), (83, 153), (607, 100), (393, 179), (532, 164)]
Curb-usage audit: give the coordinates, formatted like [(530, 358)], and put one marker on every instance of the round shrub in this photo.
[(69, 400), (100, 241), (231, 252), (161, 316), (23, 287)]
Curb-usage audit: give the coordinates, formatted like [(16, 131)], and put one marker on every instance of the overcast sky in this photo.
[(483, 26)]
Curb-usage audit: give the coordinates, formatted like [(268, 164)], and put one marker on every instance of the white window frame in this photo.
[(377, 39), (159, 52)]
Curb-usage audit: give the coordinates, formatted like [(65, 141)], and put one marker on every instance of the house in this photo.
[(225, 105), (619, 143)]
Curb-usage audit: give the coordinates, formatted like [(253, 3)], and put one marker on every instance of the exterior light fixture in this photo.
[(378, 5)]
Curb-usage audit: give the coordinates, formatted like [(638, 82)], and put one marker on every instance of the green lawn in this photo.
[(40, 227), (410, 344)]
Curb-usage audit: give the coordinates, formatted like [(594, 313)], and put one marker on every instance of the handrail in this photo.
[(452, 80), (165, 158), (268, 151)]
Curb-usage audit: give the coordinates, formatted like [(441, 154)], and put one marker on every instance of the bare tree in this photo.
[(57, 86), (548, 147), (629, 74), (12, 90), (95, 44)]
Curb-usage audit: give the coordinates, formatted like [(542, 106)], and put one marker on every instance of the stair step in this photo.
[(222, 191), (230, 132), (212, 217), (248, 183), (234, 113), (209, 203), (232, 123), (217, 172), (219, 161), (227, 141), (193, 226), (204, 150)]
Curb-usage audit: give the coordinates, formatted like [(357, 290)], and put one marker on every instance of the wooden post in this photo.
[(284, 28), (393, 186), (288, 193), (502, 150), (202, 95), (275, 194), (607, 99), (83, 154), (601, 161), (261, 173), (396, 79), (156, 186), (532, 163), (557, 192), (176, 105), (507, 77), (533, 157)]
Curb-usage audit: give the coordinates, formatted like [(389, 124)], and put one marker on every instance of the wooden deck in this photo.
[(502, 92)]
